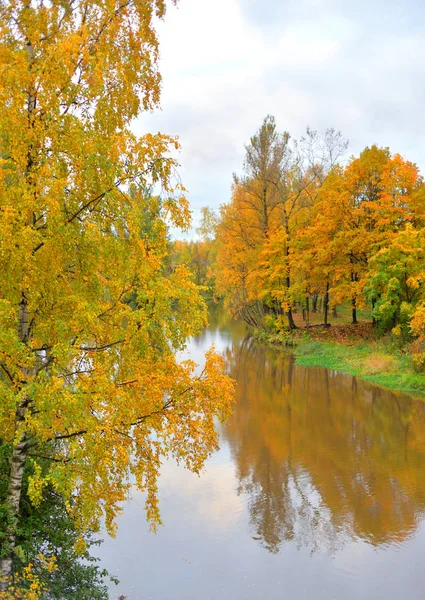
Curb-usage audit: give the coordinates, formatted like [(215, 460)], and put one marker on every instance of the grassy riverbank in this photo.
[(355, 350), (371, 361)]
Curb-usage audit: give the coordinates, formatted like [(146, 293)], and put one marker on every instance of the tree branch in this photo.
[(100, 348), (6, 370)]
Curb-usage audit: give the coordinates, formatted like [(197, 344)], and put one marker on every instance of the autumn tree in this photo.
[(271, 203), (365, 205), (266, 155), (89, 380), (239, 243), (249, 220), (296, 186), (207, 234), (314, 254), (199, 254), (395, 281), (207, 228)]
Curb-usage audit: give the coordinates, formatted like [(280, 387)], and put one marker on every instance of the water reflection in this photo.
[(323, 457), (317, 493)]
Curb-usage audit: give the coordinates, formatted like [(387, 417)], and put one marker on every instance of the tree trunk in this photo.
[(373, 308), (334, 312), (291, 322), (354, 311), (289, 315), (13, 501), (17, 462), (326, 304), (265, 212), (307, 309), (353, 300), (314, 299)]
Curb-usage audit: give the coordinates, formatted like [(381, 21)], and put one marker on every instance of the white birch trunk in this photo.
[(17, 464)]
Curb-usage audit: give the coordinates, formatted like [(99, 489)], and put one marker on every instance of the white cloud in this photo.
[(228, 63)]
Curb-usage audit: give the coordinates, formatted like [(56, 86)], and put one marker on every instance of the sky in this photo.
[(358, 67)]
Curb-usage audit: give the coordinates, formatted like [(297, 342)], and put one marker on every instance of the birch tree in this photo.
[(89, 380)]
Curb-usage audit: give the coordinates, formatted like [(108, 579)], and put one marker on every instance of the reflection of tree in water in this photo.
[(321, 456), (285, 507)]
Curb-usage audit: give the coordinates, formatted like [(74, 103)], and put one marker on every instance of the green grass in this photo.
[(376, 362)]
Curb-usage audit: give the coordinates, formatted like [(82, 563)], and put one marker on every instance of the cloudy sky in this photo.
[(356, 66)]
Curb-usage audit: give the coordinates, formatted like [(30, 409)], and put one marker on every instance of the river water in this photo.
[(317, 493)]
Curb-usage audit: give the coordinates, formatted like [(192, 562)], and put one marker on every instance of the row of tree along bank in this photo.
[(304, 234)]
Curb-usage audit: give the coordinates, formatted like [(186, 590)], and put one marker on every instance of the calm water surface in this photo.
[(318, 492)]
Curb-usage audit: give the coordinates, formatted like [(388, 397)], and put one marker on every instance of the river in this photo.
[(317, 493)]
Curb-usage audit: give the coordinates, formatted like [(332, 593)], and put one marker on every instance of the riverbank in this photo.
[(355, 350)]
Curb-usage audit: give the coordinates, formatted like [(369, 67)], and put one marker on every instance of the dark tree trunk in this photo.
[(307, 309), (291, 322), (354, 311), (326, 304)]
